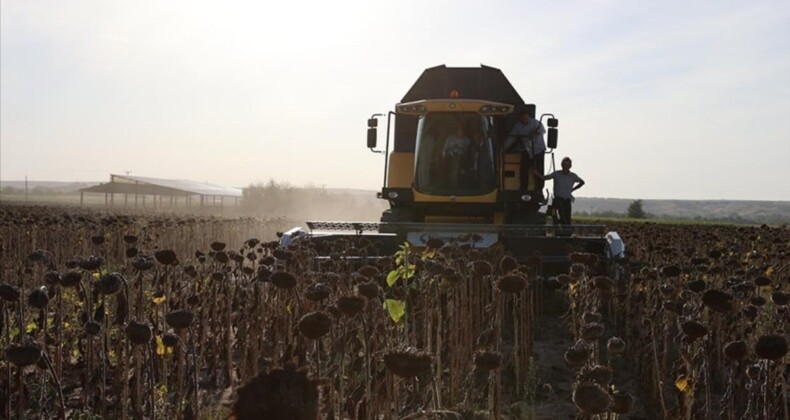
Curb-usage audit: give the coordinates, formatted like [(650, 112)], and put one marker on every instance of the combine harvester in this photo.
[(488, 198)]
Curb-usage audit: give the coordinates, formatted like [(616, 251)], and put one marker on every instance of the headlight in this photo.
[(493, 110), (411, 109), (392, 194)]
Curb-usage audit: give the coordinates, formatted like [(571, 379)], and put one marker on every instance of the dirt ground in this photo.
[(555, 378)]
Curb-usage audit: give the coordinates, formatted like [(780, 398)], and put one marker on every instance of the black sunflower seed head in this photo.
[(180, 319), (408, 363), (52, 278), (9, 293), (315, 325), (166, 257), (138, 333), (170, 340), (771, 347), (23, 354), (110, 284), (143, 263), (38, 298), (92, 328), (91, 263)]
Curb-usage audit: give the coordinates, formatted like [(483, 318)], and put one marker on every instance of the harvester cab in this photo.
[(448, 174)]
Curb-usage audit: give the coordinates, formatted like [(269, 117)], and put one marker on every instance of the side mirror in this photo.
[(553, 122), (373, 123), (552, 142), (372, 136)]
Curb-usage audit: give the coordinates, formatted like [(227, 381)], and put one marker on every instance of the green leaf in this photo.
[(161, 349), (392, 277), (409, 271), (396, 309)]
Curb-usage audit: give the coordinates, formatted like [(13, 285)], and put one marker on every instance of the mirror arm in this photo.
[(546, 115), (549, 115), (387, 149), (370, 148)]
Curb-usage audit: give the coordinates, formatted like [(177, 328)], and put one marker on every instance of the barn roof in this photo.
[(128, 184)]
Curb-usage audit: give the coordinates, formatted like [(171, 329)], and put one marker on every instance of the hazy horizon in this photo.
[(46, 183), (671, 100)]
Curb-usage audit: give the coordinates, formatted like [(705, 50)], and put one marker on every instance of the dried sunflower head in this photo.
[(281, 393), (350, 305), (591, 398), (771, 347), (23, 354), (408, 363), (488, 360), (315, 325)]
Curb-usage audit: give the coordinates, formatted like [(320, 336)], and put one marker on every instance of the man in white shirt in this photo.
[(527, 137), (565, 183)]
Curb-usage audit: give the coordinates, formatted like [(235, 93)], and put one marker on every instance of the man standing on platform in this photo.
[(565, 183)]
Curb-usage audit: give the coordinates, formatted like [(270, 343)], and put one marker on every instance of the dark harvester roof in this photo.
[(487, 83)]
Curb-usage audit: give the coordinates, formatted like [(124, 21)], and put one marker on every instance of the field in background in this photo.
[(318, 203), (726, 211)]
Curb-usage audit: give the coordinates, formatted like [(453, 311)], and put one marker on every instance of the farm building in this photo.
[(161, 192)]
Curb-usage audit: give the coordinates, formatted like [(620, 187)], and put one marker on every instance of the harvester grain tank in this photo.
[(484, 195)]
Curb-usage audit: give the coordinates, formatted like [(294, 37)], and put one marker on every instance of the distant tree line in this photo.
[(38, 190), (636, 210)]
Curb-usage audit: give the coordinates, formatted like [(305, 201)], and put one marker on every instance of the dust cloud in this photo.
[(311, 203)]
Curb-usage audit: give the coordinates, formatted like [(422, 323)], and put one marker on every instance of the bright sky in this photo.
[(656, 99)]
